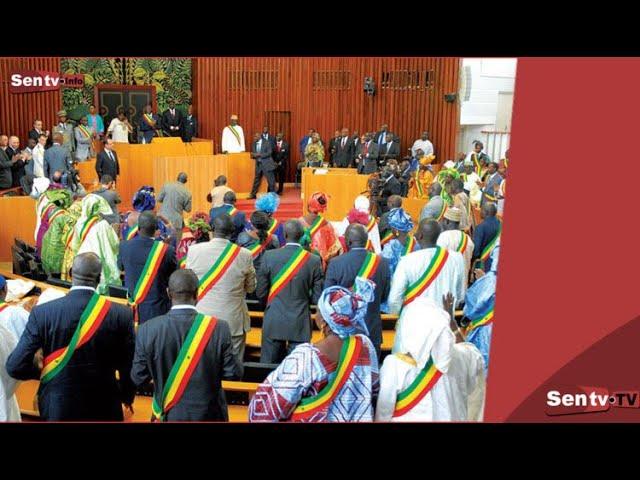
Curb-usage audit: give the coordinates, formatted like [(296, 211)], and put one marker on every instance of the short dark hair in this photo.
[(229, 197), (221, 180), (148, 222), (42, 135), (104, 179), (182, 177)]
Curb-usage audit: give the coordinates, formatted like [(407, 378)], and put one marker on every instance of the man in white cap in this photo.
[(233, 137), (358, 214), (65, 129), (454, 239)]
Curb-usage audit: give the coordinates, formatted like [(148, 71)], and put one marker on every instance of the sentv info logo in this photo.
[(580, 399)]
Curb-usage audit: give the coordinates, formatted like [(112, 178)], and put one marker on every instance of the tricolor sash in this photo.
[(372, 223), (423, 383), (182, 263), (147, 276), (486, 253), (69, 238), (464, 241), (218, 269), (442, 211), (409, 245), (133, 231), (274, 225), (90, 320), (317, 224), (86, 133), (387, 238), (235, 134), (483, 319), (349, 354), (369, 267), (232, 211), (418, 184), (148, 118), (188, 357), (86, 228), (3, 305), (434, 268), (55, 214), (257, 248), (477, 164), (45, 213), (287, 272)]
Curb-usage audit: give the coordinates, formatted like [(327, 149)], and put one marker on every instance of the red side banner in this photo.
[(25, 81)]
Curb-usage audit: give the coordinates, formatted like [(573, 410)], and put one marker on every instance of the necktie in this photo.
[(111, 156), (344, 140)]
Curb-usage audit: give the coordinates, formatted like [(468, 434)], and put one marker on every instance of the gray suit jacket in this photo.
[(433, 208), (264, 158), (369, 164), (56, 157), (175, 199), (344, 155)]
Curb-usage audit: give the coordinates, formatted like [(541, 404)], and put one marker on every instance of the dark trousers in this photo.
[(274, 351), (281, 173), (271, 179)]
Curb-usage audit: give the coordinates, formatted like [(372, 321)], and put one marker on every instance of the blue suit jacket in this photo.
[(239, 219), (86, 388), (482, 235), (342, 270), (56, 158), (132, 257)]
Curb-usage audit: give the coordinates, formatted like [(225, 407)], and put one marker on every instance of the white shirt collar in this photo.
[(293, 243), (184, 307), (358, 248), (81, 287)]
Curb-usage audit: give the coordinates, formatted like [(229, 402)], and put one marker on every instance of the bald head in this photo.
[(183, 287), (394, 201), (489, 209), (293, 231), (435, 189), (356, 236), (182, 177), (86, 270), (223, 226), (428, 233)]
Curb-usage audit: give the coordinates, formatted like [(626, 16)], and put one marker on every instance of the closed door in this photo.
[(280, 122), (131, 100)]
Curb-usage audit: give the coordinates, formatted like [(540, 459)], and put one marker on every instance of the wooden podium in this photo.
[(342, 185)]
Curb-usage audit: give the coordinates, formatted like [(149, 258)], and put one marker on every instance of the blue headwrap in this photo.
[(144, 199), (268, 203), (399, 220), (3, 282), (345, 310)]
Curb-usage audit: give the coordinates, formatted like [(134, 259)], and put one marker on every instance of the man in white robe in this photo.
[(12, 317), (425, 333), (423, 144), (233, 137), (411, 267), (455, 240), (471, 179)]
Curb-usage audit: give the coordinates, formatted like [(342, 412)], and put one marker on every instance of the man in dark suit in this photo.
[(381, 136), (159, 342), (268, 137), (367, 155), (287, 321), (132, 258), (343, 269), (190, 125), (304, 142), (281, 157), (36, 131), (333, 144), (389, 150), (85, 389), (355, 140), (6, 164), (238, 218), (57, 158), (344, 150), (261, 151), (107, 161), (172, 121), (485, 232)]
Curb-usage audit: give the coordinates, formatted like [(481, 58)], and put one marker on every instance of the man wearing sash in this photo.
[(429, 377), (238, 217), (148, 124), (358, 262), (360, 214), (187, 355), (289, 280), (434, 208), (84, 140), (454, 239), (430, 272), (491, 184), (486, 234), (226, 275), (85, 339), (147, 264), (233, 137)]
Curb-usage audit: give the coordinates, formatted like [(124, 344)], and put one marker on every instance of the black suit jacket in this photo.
[(239, 219), (342, 270), (86, 389), (17, 169), (387, 152), (344, 155), (263, 158), (190, 128), (6, 177), (368, 165), (378, 137), (131, 259), (106, 166), (281, 157), (271, 139), (158, 343), (287, 317), (176, 120)]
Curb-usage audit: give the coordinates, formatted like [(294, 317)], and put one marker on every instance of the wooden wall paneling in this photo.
[(19, 220)]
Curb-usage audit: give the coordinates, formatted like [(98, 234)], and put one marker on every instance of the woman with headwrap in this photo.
[(402, 242), (478, 307), (429, 377), (314, 152), (445, 176), (333, 380), (360, 214), (423, 178), (196, 230), (144, 200), (258, 239), (92, 233), (73, 214), (53, 241), (268, 204), (319, 235), (50, 205)]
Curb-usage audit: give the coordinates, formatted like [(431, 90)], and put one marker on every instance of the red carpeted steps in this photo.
[(290, 205)]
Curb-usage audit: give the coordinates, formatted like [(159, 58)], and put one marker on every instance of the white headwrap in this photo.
[(423, 331), (449, 164), (362, 204)]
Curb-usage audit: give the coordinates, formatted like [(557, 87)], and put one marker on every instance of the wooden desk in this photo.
[(343, 185), (18, 216)]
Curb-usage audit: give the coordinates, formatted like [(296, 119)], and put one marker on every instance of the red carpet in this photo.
[(290, 205)]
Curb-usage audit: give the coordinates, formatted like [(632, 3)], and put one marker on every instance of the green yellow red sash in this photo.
[(147, 276), (372, 223), (442, 211), (423, 383), (133, 231), (45, 213), (90, 320), (274, 225), (477, 164), (85, 131), (257, 248), (387, 238), (369, 266), (232, 211), (317, 224), (55, 214), (218, 269), (464, 241), (86, 228), (349, 355), (182, 263), (235, 134), (434, 268), (3, 305), (486, 253), (148, 118), (188, 357), (287, 272), (409, 245), (484, 319), (418, 184)]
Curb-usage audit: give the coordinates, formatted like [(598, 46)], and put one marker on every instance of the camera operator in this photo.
[(389, 185)]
